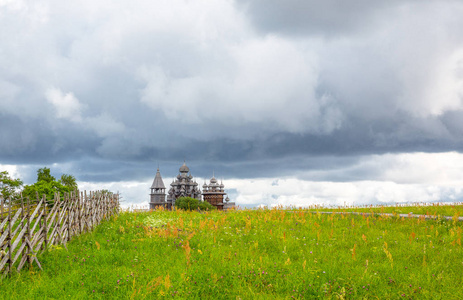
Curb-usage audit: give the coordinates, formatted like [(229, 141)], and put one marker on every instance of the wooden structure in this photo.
[(183, 186), (30, 227), (214, 194), (158, 192)]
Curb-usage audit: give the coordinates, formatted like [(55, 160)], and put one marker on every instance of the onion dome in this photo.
[(184, 168)]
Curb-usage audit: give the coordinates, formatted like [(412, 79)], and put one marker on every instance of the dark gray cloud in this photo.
[(336, 18), (331, 17)]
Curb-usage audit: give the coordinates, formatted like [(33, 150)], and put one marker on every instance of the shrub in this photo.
[(188, 203), (204, 205)]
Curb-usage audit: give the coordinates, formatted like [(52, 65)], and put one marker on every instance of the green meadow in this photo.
[(430, 209), (251, 254)]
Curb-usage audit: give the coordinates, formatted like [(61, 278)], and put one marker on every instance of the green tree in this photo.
[(48, 185), (43, 174), (9, 186), (69, 181), (188, 203), (45, 188)]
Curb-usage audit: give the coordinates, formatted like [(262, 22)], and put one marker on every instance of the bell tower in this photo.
[(158, 192)]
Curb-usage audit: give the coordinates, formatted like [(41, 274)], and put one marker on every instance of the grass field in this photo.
[(251, 254), (430, 209)]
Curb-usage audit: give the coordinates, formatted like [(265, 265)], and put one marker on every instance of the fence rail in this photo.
[(27, 227)]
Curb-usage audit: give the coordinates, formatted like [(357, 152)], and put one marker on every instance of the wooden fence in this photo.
[(30, 227)]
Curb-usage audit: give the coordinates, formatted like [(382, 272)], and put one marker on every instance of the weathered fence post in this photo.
[(90, 210), (2, 202), (79, 212), (30, 250), (39, 221), (85, 211), (45, 228), (58, 216), (24, 225), (10, 264), (24, 233), (69, 211)]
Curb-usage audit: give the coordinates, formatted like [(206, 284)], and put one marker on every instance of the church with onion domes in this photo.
[(184, 186)]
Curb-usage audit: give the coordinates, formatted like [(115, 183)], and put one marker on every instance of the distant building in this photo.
[(158, 192), (184, 186), (214, 194)]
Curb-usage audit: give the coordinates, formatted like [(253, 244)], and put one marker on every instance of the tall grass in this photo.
[(252, 254), (430, 209)]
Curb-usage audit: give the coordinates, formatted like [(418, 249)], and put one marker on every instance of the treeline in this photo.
[(13, 188)]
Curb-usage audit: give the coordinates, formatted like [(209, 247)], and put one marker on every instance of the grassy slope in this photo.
[(251, 254)]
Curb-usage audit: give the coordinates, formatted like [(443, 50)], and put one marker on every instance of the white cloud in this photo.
[(104, 125), (132, 193), (268, 81), (444, 169), (389, 178), (204, 64), (67, 106), (295, 192), (12, 170), (445, 92), (411, 177)]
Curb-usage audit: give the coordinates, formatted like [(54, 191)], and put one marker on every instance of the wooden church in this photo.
[(184, 186)]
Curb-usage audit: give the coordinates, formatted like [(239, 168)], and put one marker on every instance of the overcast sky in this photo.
[(290, 102)]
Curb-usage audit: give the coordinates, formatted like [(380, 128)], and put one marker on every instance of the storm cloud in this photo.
[(252, 89)]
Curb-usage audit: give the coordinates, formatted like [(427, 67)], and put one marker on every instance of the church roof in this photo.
[(157, 182), (184, 168)]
